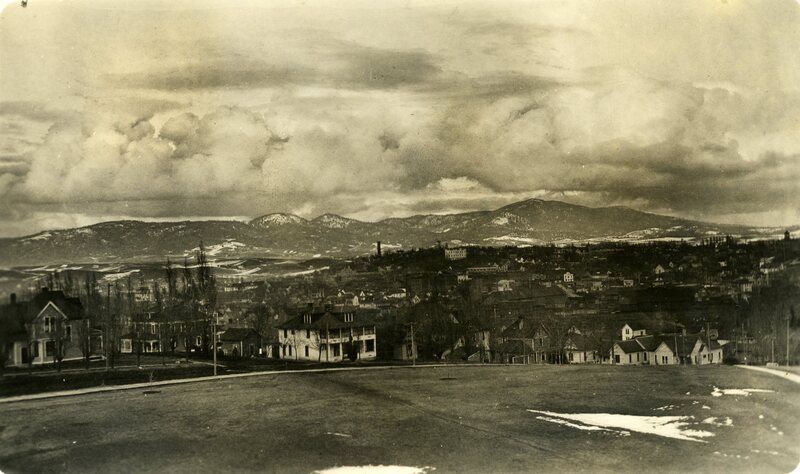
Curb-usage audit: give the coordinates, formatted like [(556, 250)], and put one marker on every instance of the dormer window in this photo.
[(307, 318), (348, 317)]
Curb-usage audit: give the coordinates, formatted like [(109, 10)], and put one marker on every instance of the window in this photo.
[(69, 333), (348, 317), (645, 356), (283, 350), (637, 357), (285, 335), (290, 350), (308, 333), (126, 345), (570, 356), (336, 349), (49, 348), (630, 357), (306, 351), (48, 324), (307, 318), (35, 349), (370, 345), (616, 358), (665, 360), (198, 341)]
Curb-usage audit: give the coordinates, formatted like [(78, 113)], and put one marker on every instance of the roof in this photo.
[(580, 342), (520, 347), (238, 334), (629, 347), (14, 316), (334, 318)]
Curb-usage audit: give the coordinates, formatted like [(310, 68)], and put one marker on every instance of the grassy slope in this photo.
[(456, 419)]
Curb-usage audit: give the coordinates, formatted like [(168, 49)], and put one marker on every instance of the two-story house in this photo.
[(329, 334), (48, 328)]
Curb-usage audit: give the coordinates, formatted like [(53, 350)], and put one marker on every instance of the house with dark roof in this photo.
[(629, 352), (581, 349), (47, 329), (329, 334), (240, 342)]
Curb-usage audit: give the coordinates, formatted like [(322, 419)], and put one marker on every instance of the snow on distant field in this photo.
[(213, 250), (676, 427), (307, 272), (745, 392), (379, 469), (40, 236), (118, 276), (500, 221), (512, 239)]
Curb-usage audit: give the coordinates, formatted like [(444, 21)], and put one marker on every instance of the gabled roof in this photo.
[(629, 347)]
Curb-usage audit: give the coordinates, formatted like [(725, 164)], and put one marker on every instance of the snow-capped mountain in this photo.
[(529, 222)]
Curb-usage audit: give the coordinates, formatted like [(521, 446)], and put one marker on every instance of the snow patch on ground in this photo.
[(117, 276), (665, 407), (333, 433), (745, 392), (500, 221), (714, 421), (379, 469), (676, 427)]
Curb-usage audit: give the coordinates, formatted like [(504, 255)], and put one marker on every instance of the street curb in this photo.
[(161, 383), (780, 373)]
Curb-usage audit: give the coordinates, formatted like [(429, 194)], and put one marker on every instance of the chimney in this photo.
[(379, 248), (13, 298)]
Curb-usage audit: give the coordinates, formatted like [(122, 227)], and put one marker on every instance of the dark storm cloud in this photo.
[(219, 74), (386, 69), (31, 110)]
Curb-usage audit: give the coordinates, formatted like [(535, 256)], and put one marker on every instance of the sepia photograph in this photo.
[(399, 236)]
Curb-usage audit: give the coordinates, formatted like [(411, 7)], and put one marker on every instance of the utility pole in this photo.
[(214, 343), (414, 349), (787, 340), (107, 342)]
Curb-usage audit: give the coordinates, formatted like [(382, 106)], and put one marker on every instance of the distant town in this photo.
[(662, 303)]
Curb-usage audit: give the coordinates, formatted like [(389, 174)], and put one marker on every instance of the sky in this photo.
[(172, 110)]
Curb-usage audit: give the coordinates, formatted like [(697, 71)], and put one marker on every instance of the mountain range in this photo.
[(528, 222)]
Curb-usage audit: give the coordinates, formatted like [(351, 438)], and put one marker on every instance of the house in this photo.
[(329, 334), (523, 341), (628, 352), (667, 349), (581, 349), (240, 342), (659, 270), (50, 327), (568, 277), (630, 331)]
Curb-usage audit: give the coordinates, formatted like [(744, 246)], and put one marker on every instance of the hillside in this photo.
[(531, 221)]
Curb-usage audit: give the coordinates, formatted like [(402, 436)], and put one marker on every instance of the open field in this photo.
[(456, 419)]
